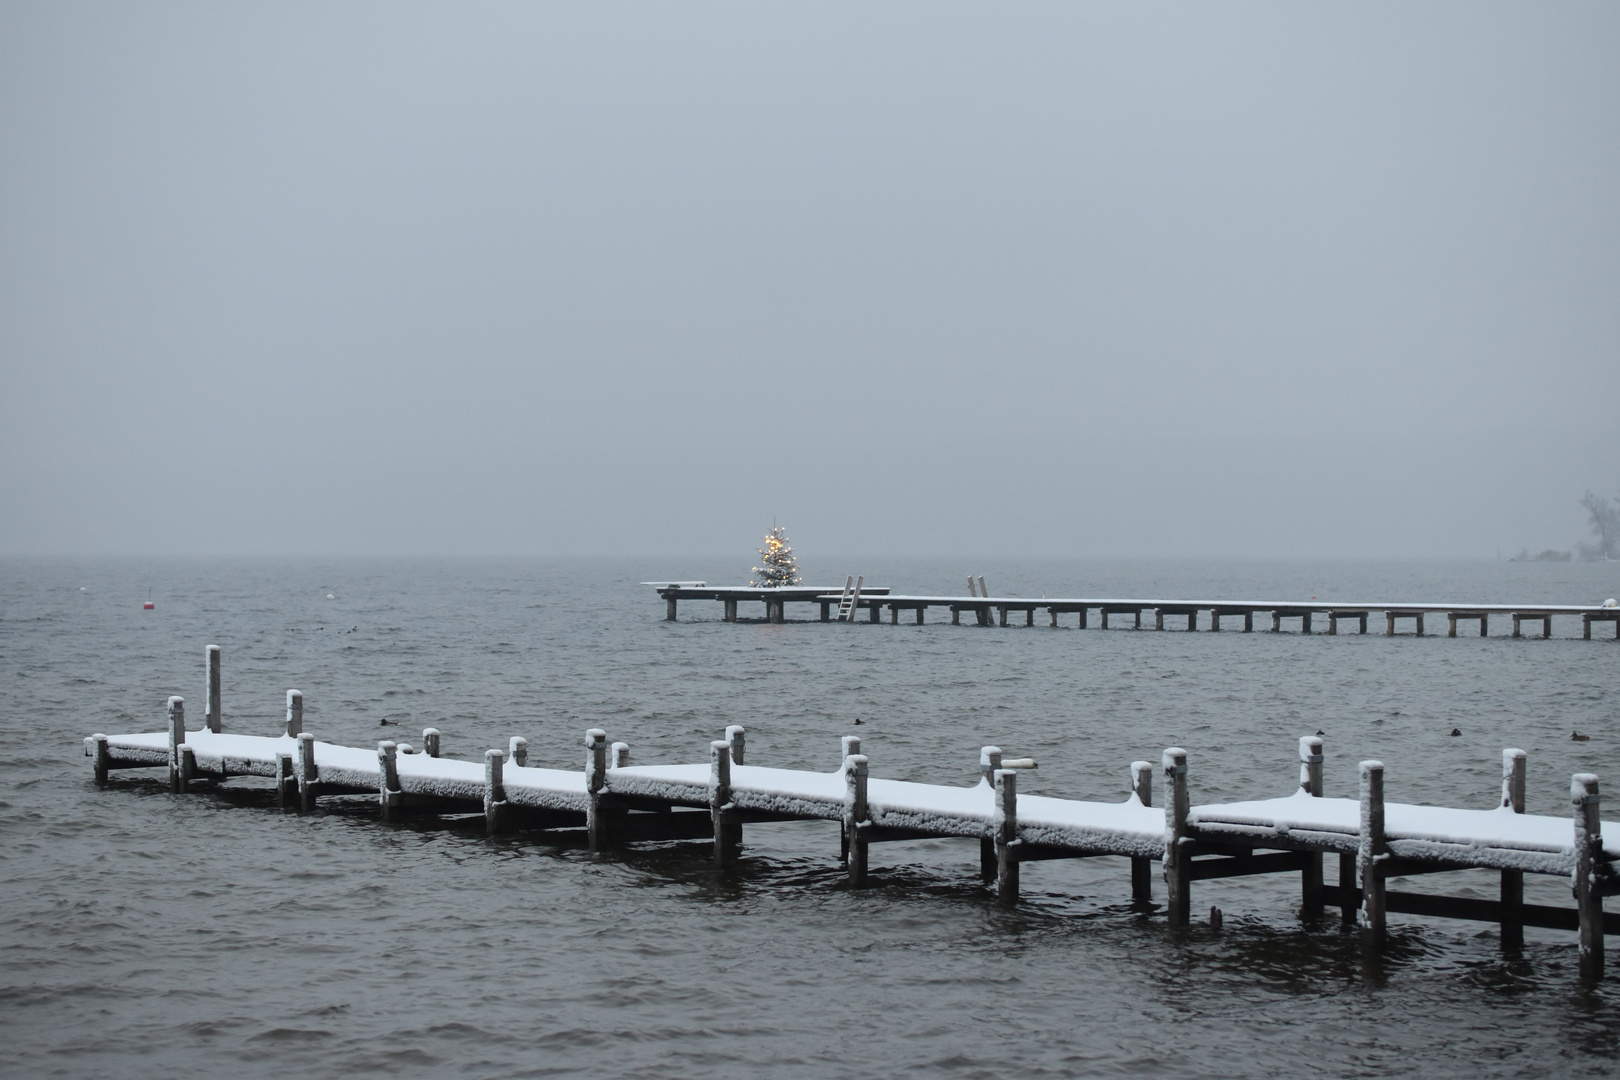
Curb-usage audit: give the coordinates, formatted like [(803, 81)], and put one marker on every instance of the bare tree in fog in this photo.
[(1605, 520)]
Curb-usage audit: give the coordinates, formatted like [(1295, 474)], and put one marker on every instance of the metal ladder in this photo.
[(851, 600)]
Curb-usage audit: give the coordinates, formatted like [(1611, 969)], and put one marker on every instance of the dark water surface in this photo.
[(153, 934)]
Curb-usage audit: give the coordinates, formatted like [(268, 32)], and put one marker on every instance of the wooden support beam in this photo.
[(1276, 622), (736, 743), (894, 615), (177, 739), (1083, 622), (1246, 865), (295, 713), (920, 609), (1104, 621), (1248, 622), (857, 817), (1583, 790), (669, 608), (1029, 617), (1141, 866), (1371, 851), (1177, 857), (1471, 909), (389, 796), (211, 720), (103, 759), (1006, 781), (308, 776), (286, 780), (188, 767), (851, 745), (1158, 618), (1513, 771), (1310, 782), (597, 825), (729, 611), (1053, 612), (989, 762), (494, 791), (727, 830), (873, 611)]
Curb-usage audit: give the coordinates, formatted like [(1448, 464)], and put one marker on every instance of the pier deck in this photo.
[(613, 802)]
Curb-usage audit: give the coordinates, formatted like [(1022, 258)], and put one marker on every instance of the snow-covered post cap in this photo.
[(295, 713), (621, 755), (518, 749), (430, 741), (595, 760), (1142, 782), (1310, 764), (851, 745), (1513, 768), (736, 739), (989, 762)]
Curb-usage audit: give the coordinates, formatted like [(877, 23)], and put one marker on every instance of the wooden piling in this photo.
[(669, 608), (1276, 622), (1372, 851), (1177, 860), (388, 792), (286, 782), (1513, 770), (1083, 613), (731, 611), (308, 776), (1347, 888), (920, 609), (851, 745), (1583, 790), (103, 759), (727, 831), (1006, 836), (295, 713), (212, 720), (621, 755), (596, 826), (874, 612), (857, 817), (1158, 618), (188, 767), (736, 742), (1310, 782), (177, 739), (1141, 865), (430, 741), (494, 791), (517, 750), (989, 762)]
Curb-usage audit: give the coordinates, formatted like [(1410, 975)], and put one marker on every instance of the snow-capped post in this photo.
[(1177, 861), (1141, 866), (212, 720), (727, 831), (989, 762), (1583, 791), (1372, 850), (388, 793), (851, 745), (517, 748), (857, 816), (284, 778), (621, 755), (1513, 768), (295, 713), (494, 791), (103, 759), (1006, 836), (736, 739), (177, 738), (1310, 782), (307, 775), (430, 741), (596, 748)]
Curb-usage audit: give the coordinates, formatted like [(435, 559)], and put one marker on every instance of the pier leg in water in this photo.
[(596, 808), (1276, 623), (1513, 769), (1158, 619), (388, 793), (1333, 624), (1142, 867), (177, 738), (103, 759), (286, 780), (494, 792), (989, 763), (669, 609), (1310, 782), (1583, 790), (727, 831), (856, 817), (1177, 861), (851, 747), (1248, 622), (1006, 836), (307, 776), (1371, 852), (920, 609), (188, 767), (212, 720), (1348, 905), (730, 611)]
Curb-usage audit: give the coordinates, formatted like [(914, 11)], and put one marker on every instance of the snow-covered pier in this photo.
[(610, 802), (987, 610)]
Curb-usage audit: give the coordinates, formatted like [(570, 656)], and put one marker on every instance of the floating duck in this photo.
[(388, 722), (1578, 737), (1456, 731)]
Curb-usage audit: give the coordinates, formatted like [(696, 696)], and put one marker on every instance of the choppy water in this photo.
[(147, 933)]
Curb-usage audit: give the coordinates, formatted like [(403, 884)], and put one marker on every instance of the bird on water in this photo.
[(1578, 737)]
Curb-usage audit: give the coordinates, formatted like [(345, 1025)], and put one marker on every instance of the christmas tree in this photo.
[(780, 568)]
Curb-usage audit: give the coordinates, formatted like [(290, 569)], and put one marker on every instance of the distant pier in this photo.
[(987, 610)]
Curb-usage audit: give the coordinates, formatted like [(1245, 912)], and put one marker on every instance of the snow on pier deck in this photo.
[(614, 802), (987, 610)]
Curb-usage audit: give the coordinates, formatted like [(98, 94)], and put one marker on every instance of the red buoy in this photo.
[(148, 606)]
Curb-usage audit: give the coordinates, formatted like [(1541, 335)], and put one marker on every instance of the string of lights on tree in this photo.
[(780, 567)]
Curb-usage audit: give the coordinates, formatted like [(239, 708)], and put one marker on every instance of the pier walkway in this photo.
[(987, 610), (611, 802)]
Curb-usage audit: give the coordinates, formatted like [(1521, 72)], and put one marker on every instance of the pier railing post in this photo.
[(286, 779), (851, 745), (295, 714), (103, 759), (1583, 790), (1310, 782), (1372, 851), (736, 740), (1177, 861), (727, 833), (857, 816), (308, 776), (494, 791), (669, 607), (1141, 866), (517, 749), (388, 793), (212, 721), (177, 739), (989, 762), (1006, 836), (596, 747), (621, 755), (430, 741), (1513, 769), (188, 766)]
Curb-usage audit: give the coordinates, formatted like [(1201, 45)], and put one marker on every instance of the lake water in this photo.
[(210, 934)]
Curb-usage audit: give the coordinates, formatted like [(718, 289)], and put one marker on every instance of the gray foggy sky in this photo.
[(1260, 279)]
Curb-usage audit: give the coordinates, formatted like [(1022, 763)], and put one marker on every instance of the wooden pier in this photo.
[(987, 610), (610, 802)]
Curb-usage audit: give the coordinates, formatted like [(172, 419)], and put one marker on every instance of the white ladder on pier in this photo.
[(851, 599)]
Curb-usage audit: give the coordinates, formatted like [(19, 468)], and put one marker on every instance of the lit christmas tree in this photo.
[(780, 568)]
